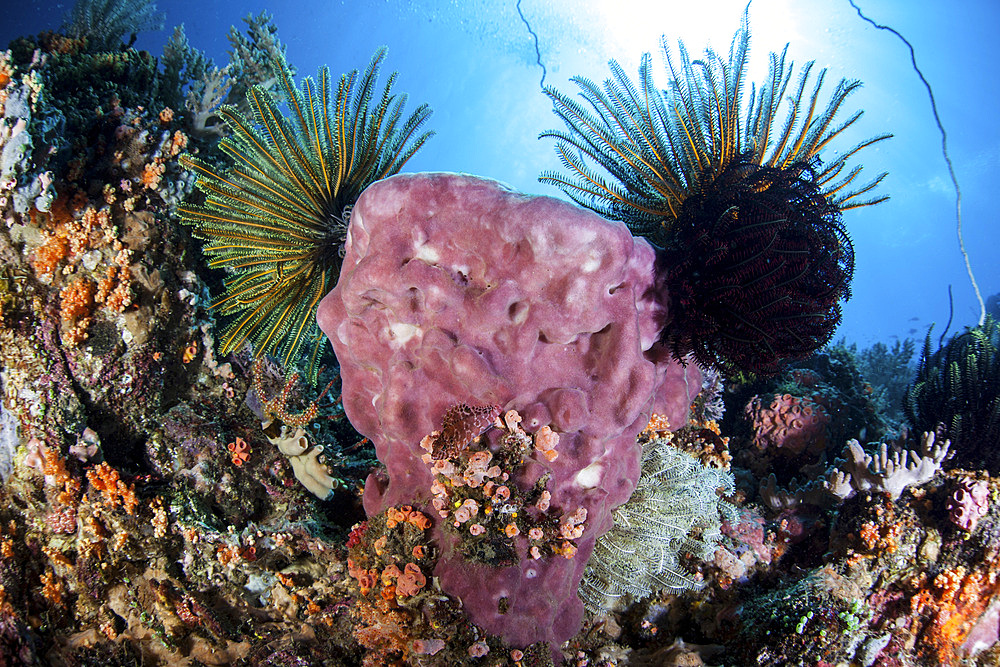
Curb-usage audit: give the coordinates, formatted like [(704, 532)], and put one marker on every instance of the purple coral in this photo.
[(968, 503), (457, 290), (792, 424)]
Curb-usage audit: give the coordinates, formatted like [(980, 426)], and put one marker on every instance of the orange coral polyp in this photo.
[(76, 300), (53, 250)]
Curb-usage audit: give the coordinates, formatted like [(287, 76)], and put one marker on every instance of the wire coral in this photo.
[(957, 390), (944, 153), (675, 511), (103, 23), (755, 256), (276, 216)]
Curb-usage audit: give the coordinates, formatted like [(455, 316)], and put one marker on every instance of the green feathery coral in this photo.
[(276, 218), (956, 391), (675, 511), (661, 147)]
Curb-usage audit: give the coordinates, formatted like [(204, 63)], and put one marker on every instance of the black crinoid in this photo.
[(957, 392), (277, 217), (754, 255)]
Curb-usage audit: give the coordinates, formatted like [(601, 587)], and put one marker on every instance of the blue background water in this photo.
[(475, 64)]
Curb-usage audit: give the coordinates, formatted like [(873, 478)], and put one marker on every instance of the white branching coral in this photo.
[(892, 471), (889, 471), (677, 510)]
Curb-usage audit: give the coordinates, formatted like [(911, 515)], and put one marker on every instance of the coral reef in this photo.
[(127, 524), (164, 503)]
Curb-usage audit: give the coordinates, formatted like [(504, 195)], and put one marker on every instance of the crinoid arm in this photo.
[(634, 152), (675, 515), (734, 190), (275, 218)]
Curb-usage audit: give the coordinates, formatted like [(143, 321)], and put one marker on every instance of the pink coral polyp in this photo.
[(410, 581)]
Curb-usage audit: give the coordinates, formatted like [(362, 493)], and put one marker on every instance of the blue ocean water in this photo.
[(475, 63)]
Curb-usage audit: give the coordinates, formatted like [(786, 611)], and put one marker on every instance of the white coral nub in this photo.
[(304, 460)]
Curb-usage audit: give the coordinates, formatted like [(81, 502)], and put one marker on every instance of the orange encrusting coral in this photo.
[(115, 288), (76, 309), (53, 250), (68, 231), (950, 605), (392, 584)]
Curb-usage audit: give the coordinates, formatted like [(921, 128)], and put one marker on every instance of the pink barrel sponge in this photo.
[(456, 290)]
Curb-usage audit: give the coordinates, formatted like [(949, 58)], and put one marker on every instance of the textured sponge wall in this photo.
[(456, 290)]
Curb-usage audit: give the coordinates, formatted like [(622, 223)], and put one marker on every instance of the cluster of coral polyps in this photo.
[(400, 613), (790, 423), (475, 494)]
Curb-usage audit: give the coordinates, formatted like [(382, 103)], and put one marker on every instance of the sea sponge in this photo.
[(455, 290)]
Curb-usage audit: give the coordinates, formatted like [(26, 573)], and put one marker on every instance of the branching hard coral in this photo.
[(749, 219), (675, 511), (255, 57), (891, 472), (103, 23), (957, 389), (276, 217)]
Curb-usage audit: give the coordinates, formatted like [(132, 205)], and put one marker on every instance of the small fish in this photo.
[(914, 319), (912, 331)]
